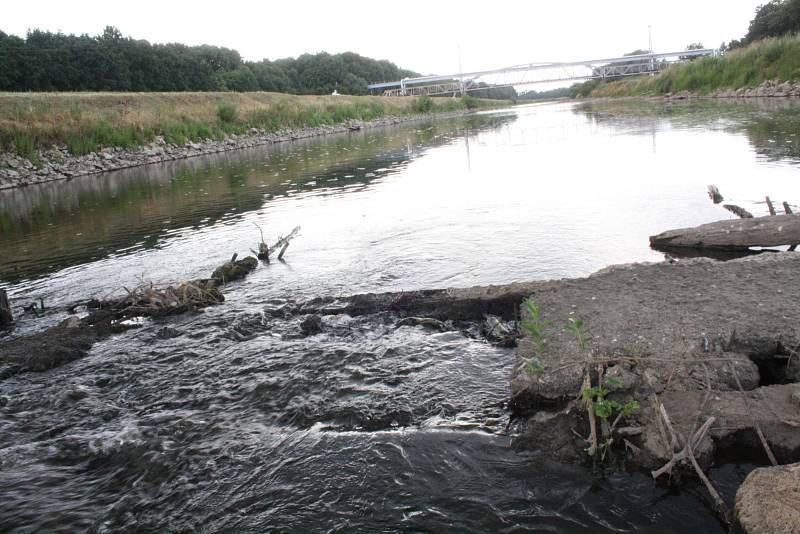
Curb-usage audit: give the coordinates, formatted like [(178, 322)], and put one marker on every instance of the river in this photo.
[(241, 424)]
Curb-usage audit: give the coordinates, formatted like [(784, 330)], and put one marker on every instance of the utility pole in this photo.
[(650, 47), (460, 72)]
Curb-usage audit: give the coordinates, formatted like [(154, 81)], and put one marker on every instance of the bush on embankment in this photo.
[(770, 59), (87, 122)]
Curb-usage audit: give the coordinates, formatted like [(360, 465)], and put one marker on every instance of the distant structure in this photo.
[(534, 73)]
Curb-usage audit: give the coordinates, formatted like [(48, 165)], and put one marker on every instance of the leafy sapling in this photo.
[(535, 329), (605, 408), (575, 324)]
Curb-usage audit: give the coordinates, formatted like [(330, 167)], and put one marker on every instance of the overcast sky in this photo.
[(419, 35)]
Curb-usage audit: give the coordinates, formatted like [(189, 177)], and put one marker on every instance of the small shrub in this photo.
[(470, 102), (423, 104), (227, 112), (605, 408), (535, 328)]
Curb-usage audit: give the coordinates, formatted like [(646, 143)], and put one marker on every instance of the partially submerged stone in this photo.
[(768, 502), (312, 324)]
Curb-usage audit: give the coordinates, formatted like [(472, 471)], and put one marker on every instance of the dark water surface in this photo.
[(241, 425)]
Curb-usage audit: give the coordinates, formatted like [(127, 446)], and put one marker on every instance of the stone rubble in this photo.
[(767, 89)]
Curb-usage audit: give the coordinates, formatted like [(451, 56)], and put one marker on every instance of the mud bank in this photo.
[(708, 350), (56, 163)]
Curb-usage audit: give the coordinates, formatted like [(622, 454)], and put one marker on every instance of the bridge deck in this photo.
[(533, 73)]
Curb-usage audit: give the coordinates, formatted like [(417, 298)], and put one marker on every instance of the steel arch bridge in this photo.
[(535, 73)]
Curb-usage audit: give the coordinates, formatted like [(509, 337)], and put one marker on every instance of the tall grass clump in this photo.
[(103, 134), (25, 145), (227, 112)]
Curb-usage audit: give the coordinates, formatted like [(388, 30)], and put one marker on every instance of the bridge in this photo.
[(535, 73)]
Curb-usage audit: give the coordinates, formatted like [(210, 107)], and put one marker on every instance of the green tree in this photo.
[(774, 19), (46, 61)]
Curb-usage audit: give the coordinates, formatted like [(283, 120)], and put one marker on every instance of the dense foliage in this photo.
[(773, 19), (45, 61), (552, 94), (494, 93)]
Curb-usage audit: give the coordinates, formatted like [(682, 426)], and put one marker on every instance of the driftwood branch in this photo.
[(760, 432), (263, 248), (265, 251), (738, 211), (721, 506), (283, 242), (692, 440), (587, 383)]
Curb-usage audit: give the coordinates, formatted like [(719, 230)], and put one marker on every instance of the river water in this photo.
[(241, 424)]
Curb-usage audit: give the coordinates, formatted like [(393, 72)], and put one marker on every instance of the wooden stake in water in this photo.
[(770, 207)]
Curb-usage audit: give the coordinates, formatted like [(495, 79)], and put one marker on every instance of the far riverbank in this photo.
[(46, 137)]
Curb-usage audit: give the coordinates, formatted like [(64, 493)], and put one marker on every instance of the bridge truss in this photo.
[(536, 73)]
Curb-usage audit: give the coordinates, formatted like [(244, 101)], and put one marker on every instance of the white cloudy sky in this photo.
[(419, 35)]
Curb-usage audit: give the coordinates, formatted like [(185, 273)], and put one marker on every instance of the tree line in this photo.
[(773, 19), (46, 61)]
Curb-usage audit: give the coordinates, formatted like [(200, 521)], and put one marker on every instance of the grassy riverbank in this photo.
[(86, 122), (770, 59)]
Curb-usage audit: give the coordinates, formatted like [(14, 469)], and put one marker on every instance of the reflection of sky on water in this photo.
[(546, 191)]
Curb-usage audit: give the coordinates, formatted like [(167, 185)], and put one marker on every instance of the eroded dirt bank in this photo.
[(667, 328)]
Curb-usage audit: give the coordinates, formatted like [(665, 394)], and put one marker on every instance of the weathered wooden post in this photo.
[(770, 206), (6, 317)]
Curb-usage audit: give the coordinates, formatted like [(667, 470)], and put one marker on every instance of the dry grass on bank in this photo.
[(86, 122)]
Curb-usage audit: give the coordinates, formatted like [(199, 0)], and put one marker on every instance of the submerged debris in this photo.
[(234, 270), (74, 337), (264, 251), (146, 300)]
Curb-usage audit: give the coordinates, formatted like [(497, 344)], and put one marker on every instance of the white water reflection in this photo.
[(547, 192)]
